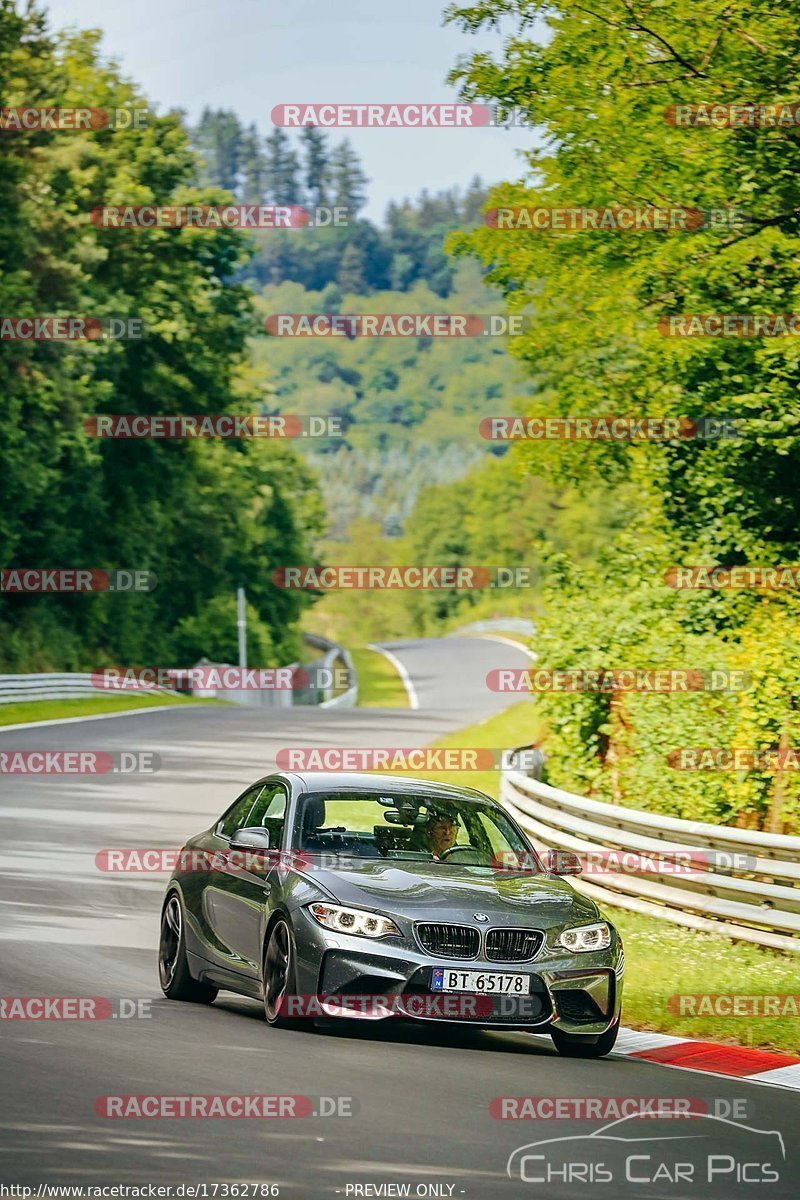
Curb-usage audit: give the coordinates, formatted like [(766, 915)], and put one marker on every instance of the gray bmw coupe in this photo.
[(370, 896)]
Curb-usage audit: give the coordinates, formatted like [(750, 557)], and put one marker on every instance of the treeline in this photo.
[(600, 88), (310, 170), (204, 516)]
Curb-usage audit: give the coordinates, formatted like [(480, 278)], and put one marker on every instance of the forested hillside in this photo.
[(409, 409)]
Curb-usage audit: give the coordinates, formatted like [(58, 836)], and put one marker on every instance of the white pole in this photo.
[(241, 621)]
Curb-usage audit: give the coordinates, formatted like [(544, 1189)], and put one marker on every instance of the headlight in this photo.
[(353, 920), (586, 937)]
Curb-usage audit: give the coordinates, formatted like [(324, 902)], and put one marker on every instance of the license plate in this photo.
[(490, 983)]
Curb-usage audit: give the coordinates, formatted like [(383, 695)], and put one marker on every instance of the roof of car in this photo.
[(337, 781)]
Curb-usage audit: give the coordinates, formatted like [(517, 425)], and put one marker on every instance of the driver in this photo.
[(441, 833)]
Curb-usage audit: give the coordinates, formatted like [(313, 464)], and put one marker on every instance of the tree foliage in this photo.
[(204, 516), (358, 255), (598, 82)]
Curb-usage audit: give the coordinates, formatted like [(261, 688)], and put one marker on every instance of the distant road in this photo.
[(449, 674)]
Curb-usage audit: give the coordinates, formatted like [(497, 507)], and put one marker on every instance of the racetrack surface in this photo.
[(420, 1094)]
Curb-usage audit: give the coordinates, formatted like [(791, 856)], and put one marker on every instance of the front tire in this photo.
[(177, 981), (278, 976), (575, 1045)]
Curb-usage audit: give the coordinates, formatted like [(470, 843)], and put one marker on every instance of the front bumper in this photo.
[(575, 993)]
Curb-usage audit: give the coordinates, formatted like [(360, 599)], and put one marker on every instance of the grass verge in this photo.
[(663, 960), (379, 685), (50, 710), (516, 726)]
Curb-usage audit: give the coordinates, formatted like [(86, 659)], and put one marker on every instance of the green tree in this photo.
[(219, 139), (254, 167), (315, 152), (282, 169), (348, 181), (350, 276)]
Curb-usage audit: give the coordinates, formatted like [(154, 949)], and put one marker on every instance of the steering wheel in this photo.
[(469, 850)]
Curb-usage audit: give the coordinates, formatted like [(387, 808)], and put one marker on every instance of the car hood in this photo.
[(440, 892)]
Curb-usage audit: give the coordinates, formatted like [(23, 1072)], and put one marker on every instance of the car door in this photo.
[(211, 884), (237, 894)]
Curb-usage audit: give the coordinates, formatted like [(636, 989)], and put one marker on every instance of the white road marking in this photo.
[(496, 637), (632, 1040), (411, 691)]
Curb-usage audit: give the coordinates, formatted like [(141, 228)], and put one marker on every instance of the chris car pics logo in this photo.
[(712, 1152)]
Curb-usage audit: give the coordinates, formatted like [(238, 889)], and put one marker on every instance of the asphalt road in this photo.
[(419, 1095)]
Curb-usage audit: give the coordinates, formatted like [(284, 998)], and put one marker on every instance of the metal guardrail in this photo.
[(746, 884), (16, 689), (327, 695), (321, 690), (499, 625)]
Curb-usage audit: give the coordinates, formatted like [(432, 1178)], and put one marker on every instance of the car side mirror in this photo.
[(253, 838), (562, 862)]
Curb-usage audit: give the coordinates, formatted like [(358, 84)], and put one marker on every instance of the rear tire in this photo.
[(278, 976), (575, 1045), (177, 981)]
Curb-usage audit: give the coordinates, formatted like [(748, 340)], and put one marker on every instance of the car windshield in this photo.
[(419, 828)]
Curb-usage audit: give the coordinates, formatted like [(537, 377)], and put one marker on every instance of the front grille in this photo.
[(513, 945), (449, 941)]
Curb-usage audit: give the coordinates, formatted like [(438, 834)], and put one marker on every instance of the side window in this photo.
[(237, 815), (493, 835), (270, 812)]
